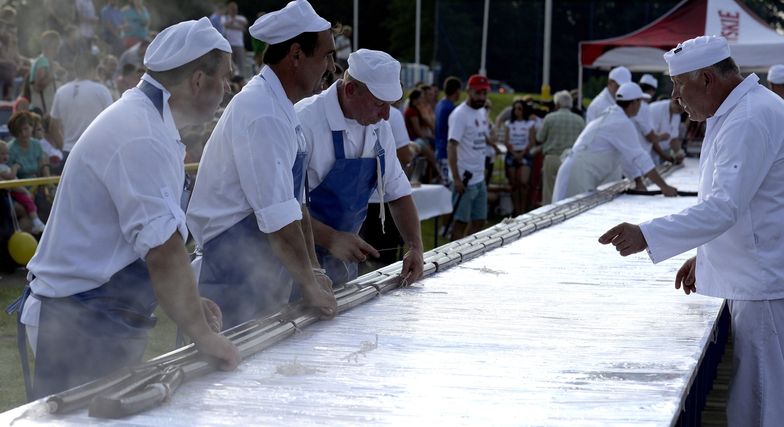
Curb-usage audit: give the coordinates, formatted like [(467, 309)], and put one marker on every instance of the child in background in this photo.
[(20, 194), (41, 131)]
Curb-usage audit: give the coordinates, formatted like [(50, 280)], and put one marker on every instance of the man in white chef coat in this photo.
[(353, 156), (737, 222), (247, 213), (98, 274), (776, 79), (606, 98)]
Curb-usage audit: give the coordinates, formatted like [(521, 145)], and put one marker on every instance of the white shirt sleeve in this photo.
[(742, 161), (264, 157), (634, 161), (456, 126), (147, 201)]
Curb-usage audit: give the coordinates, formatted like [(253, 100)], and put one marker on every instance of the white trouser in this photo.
[(584, 171), (756, 395)]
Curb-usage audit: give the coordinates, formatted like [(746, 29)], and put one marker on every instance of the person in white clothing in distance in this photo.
[(605, 144), (736, 224), (776, 79)]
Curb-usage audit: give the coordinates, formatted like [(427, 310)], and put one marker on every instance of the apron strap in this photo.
[(337, 142)]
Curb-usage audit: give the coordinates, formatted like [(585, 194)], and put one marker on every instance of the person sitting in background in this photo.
[(607, 142), (24, 151), (20, 194), (519, 136)]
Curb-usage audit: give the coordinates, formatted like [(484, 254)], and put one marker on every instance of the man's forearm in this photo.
[(175, 286), (407, 221), (307, 230), (289, 246), (452, 157)]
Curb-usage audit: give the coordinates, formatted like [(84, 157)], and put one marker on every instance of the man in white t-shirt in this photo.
[(78, 102), (234, 27), (469, 133), (776, 79)]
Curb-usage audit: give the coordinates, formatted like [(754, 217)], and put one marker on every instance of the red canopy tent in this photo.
[(754, 45)]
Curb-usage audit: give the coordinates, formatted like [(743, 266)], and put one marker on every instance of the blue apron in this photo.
[(240, 271), (93, 333), (341, 202)]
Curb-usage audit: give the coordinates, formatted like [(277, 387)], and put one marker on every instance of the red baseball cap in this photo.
[(478, 82)]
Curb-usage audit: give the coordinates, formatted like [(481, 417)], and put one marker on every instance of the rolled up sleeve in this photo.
[(264, 156), (147, 201)]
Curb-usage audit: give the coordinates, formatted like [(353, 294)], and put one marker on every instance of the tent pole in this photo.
[(579, 77)]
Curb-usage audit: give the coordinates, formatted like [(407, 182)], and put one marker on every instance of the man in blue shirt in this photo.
[(452, 86)]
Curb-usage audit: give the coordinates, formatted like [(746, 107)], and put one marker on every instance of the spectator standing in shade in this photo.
[(343, 46), (557, 134), (519, 138), (137, 23), (469, 135), (78, 102), (112, 23), (72, 47), (216, 19), (234, 27), (452, 88), (776, 79), (41, 82)]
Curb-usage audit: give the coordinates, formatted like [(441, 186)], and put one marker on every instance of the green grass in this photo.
[(12, 391)]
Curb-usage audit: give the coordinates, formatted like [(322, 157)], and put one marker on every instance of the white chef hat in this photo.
[(378, 71), (629, 92), (649, 80), (776, 74), (296, 18), (621, 75), (182, 43), (697, 53)]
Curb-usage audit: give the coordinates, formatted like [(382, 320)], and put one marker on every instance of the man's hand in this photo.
[(349, 247), (669, 191), (213, 314), (413, 265), (686, 276), (219, 347), (459, 187), (627, 238), (321, 297)]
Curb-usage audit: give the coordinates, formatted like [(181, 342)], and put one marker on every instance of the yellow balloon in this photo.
[(22, 246)]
